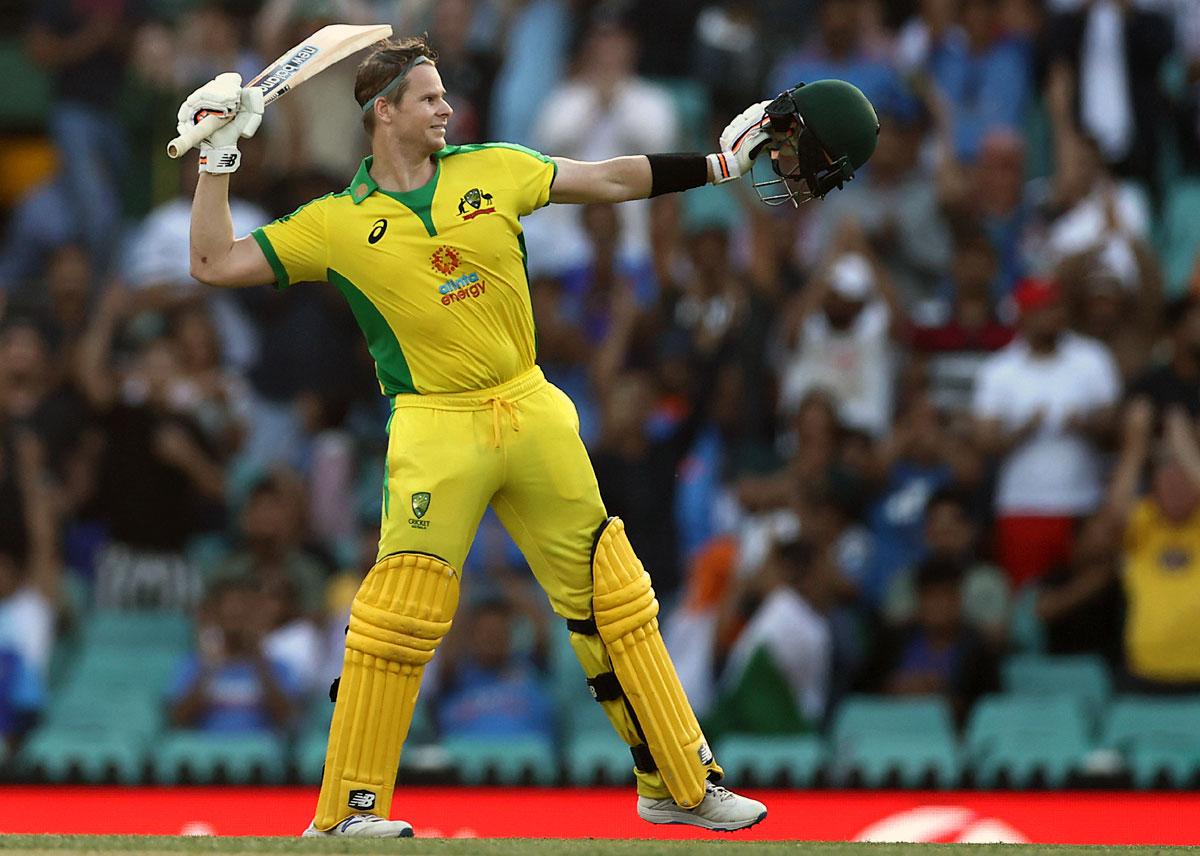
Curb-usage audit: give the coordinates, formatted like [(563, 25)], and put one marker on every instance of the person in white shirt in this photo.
[(842, 342), (604, 110), (1041, 405)]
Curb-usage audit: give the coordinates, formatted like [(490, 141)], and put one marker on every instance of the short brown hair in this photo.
[(386, 60)]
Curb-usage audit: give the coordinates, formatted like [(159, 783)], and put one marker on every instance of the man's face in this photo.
[(491, 639), (420, 119), (1045, 324), (948, 531)]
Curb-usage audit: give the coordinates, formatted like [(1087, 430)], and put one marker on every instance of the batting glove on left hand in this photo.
[(740, 143), (225, 97)]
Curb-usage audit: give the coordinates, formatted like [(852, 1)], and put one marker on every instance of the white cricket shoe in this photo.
[(721, 810), (364, 826)]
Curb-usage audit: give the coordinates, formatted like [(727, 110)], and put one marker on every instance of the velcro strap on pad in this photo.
[(642, 759), (585, 626), (605, 687)]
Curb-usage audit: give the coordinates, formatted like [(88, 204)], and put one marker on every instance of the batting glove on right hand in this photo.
[(241, 107), (740, 143)]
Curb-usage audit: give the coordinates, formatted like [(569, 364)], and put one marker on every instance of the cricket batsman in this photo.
[(426, 246)]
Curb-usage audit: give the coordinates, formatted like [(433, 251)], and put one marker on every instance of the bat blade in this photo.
[(318, 52)]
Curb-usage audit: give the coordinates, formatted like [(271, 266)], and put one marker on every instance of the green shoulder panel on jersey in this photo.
[(449, 151), (395, 377), (282, 280), (264, 243)]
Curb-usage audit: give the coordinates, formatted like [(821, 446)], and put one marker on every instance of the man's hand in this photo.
[(740, 143), (224, 97)]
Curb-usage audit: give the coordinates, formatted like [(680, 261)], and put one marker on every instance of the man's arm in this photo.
[(216, 258), (613, 180)]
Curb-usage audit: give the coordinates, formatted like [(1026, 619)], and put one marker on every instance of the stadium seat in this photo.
[(508, 761), (1023, 736), (309, 758), (1026, 633), (62, 755), (859, 716), (1083, 677), (600, 757), (131, 714), (1180, 234), (203, 757), (770, 760), (1158, 738), (912, 760), (138, 631)]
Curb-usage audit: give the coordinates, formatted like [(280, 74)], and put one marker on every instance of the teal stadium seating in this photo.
[(598, 757), (1158, 737), (203, 757), (769, 760), (911, 739), (29, 110), (1020, 739), (69, 754), (1083, 677), (1180, 233), (483, 760)]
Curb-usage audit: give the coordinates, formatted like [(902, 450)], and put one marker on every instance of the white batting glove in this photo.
[(740, 143), (241, 107)]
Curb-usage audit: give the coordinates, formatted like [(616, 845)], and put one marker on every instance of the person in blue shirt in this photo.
[(839, 53), (228, 684), (484, 687), (984, 74), (22, 697)]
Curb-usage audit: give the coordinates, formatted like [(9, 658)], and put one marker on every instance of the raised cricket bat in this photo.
[(322, 49)]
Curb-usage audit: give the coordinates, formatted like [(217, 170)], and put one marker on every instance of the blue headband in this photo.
[(387, 90)]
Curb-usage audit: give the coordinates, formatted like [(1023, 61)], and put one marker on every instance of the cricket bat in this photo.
[(322, 49)]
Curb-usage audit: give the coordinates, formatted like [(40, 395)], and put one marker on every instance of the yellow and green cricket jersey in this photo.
[(435, 277)]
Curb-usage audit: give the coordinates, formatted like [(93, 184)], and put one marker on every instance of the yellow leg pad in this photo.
[(593, 656), (400, 614), (626, 614)]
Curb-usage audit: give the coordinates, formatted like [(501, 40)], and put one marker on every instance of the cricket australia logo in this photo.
[(474, 200), (420, 505), (445, 259), (362, 800)]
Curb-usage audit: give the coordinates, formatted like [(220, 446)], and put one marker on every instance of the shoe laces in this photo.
[(719, 793)]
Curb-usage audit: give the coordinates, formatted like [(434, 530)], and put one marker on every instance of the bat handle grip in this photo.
[(186, 141)]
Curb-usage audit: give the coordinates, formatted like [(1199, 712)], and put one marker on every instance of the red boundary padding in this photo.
[(1044, 818)]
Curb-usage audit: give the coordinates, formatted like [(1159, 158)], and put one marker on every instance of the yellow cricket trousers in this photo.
[(515, 446)]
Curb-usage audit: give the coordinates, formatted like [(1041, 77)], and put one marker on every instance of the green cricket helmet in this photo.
[(820, 133)]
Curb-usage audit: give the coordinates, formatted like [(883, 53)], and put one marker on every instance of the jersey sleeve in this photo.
[(296, 246), (532, 173)]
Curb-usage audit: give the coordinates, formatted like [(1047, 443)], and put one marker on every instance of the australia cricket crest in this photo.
[(472, 203), (420, 505)]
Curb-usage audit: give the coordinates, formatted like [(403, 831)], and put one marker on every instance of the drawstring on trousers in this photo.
[(499, 405)]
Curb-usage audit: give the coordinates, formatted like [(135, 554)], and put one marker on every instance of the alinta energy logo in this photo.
[(445, 261)]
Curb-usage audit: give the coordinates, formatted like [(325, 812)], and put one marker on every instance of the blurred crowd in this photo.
[(874, 444)]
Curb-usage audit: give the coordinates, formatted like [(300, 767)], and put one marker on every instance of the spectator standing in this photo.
[(1175, 382), (985, 75), (85, 48), (603, 110), (1161, 551), (1041, 406), (158, 483), (840, 338), (1108, 55)]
